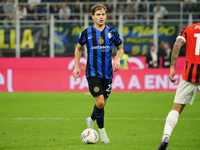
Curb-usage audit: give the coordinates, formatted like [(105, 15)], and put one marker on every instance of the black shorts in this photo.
[(99, 86)]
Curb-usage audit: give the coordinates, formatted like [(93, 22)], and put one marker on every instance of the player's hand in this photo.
[(171, 75), (116, 66), (76, 73)]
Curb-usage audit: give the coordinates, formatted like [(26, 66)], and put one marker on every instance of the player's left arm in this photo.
[(175, 53), (116, 63)]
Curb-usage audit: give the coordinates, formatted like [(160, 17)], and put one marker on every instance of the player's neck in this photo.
[(99, 27)]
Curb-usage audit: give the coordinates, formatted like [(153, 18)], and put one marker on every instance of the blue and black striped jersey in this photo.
[(99, 50)]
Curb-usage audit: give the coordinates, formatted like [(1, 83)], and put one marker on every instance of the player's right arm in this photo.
[(175, 53), (77, 57)]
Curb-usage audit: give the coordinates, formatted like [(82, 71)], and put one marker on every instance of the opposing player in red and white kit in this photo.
[(190, 82)]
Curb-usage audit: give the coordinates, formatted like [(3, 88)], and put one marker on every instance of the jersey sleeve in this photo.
[(117, 40), (82, 37), (183, 34)]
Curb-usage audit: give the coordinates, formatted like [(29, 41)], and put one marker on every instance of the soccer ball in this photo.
[(89, 136)]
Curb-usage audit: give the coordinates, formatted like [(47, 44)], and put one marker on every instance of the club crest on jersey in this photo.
[(109, 35), (101, 41), (96, 89)]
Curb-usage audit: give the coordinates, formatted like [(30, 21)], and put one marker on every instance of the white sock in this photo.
[(170, 123), (101, 129)]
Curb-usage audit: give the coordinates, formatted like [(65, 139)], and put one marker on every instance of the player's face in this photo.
[(99, 17)]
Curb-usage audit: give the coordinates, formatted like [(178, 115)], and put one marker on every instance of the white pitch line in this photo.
[(85, 118)]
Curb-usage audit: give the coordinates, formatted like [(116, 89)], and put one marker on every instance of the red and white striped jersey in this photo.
[(191, 36)]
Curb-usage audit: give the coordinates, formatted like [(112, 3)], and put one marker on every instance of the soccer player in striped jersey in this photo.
[(99, 40), (190, 82)]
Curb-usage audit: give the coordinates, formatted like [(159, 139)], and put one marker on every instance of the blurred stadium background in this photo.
[(36, 25), (35, 31)]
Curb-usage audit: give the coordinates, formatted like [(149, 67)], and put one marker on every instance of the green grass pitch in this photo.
[(133, 121)]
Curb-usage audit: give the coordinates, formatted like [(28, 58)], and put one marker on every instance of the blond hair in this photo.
[(98, 7)]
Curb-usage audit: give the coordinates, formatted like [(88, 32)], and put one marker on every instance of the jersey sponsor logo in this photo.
[(103, 48)]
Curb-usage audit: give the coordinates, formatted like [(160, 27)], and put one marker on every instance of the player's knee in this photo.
[(100, 104)]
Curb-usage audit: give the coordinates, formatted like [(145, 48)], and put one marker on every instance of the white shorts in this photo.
[(186, 92)]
